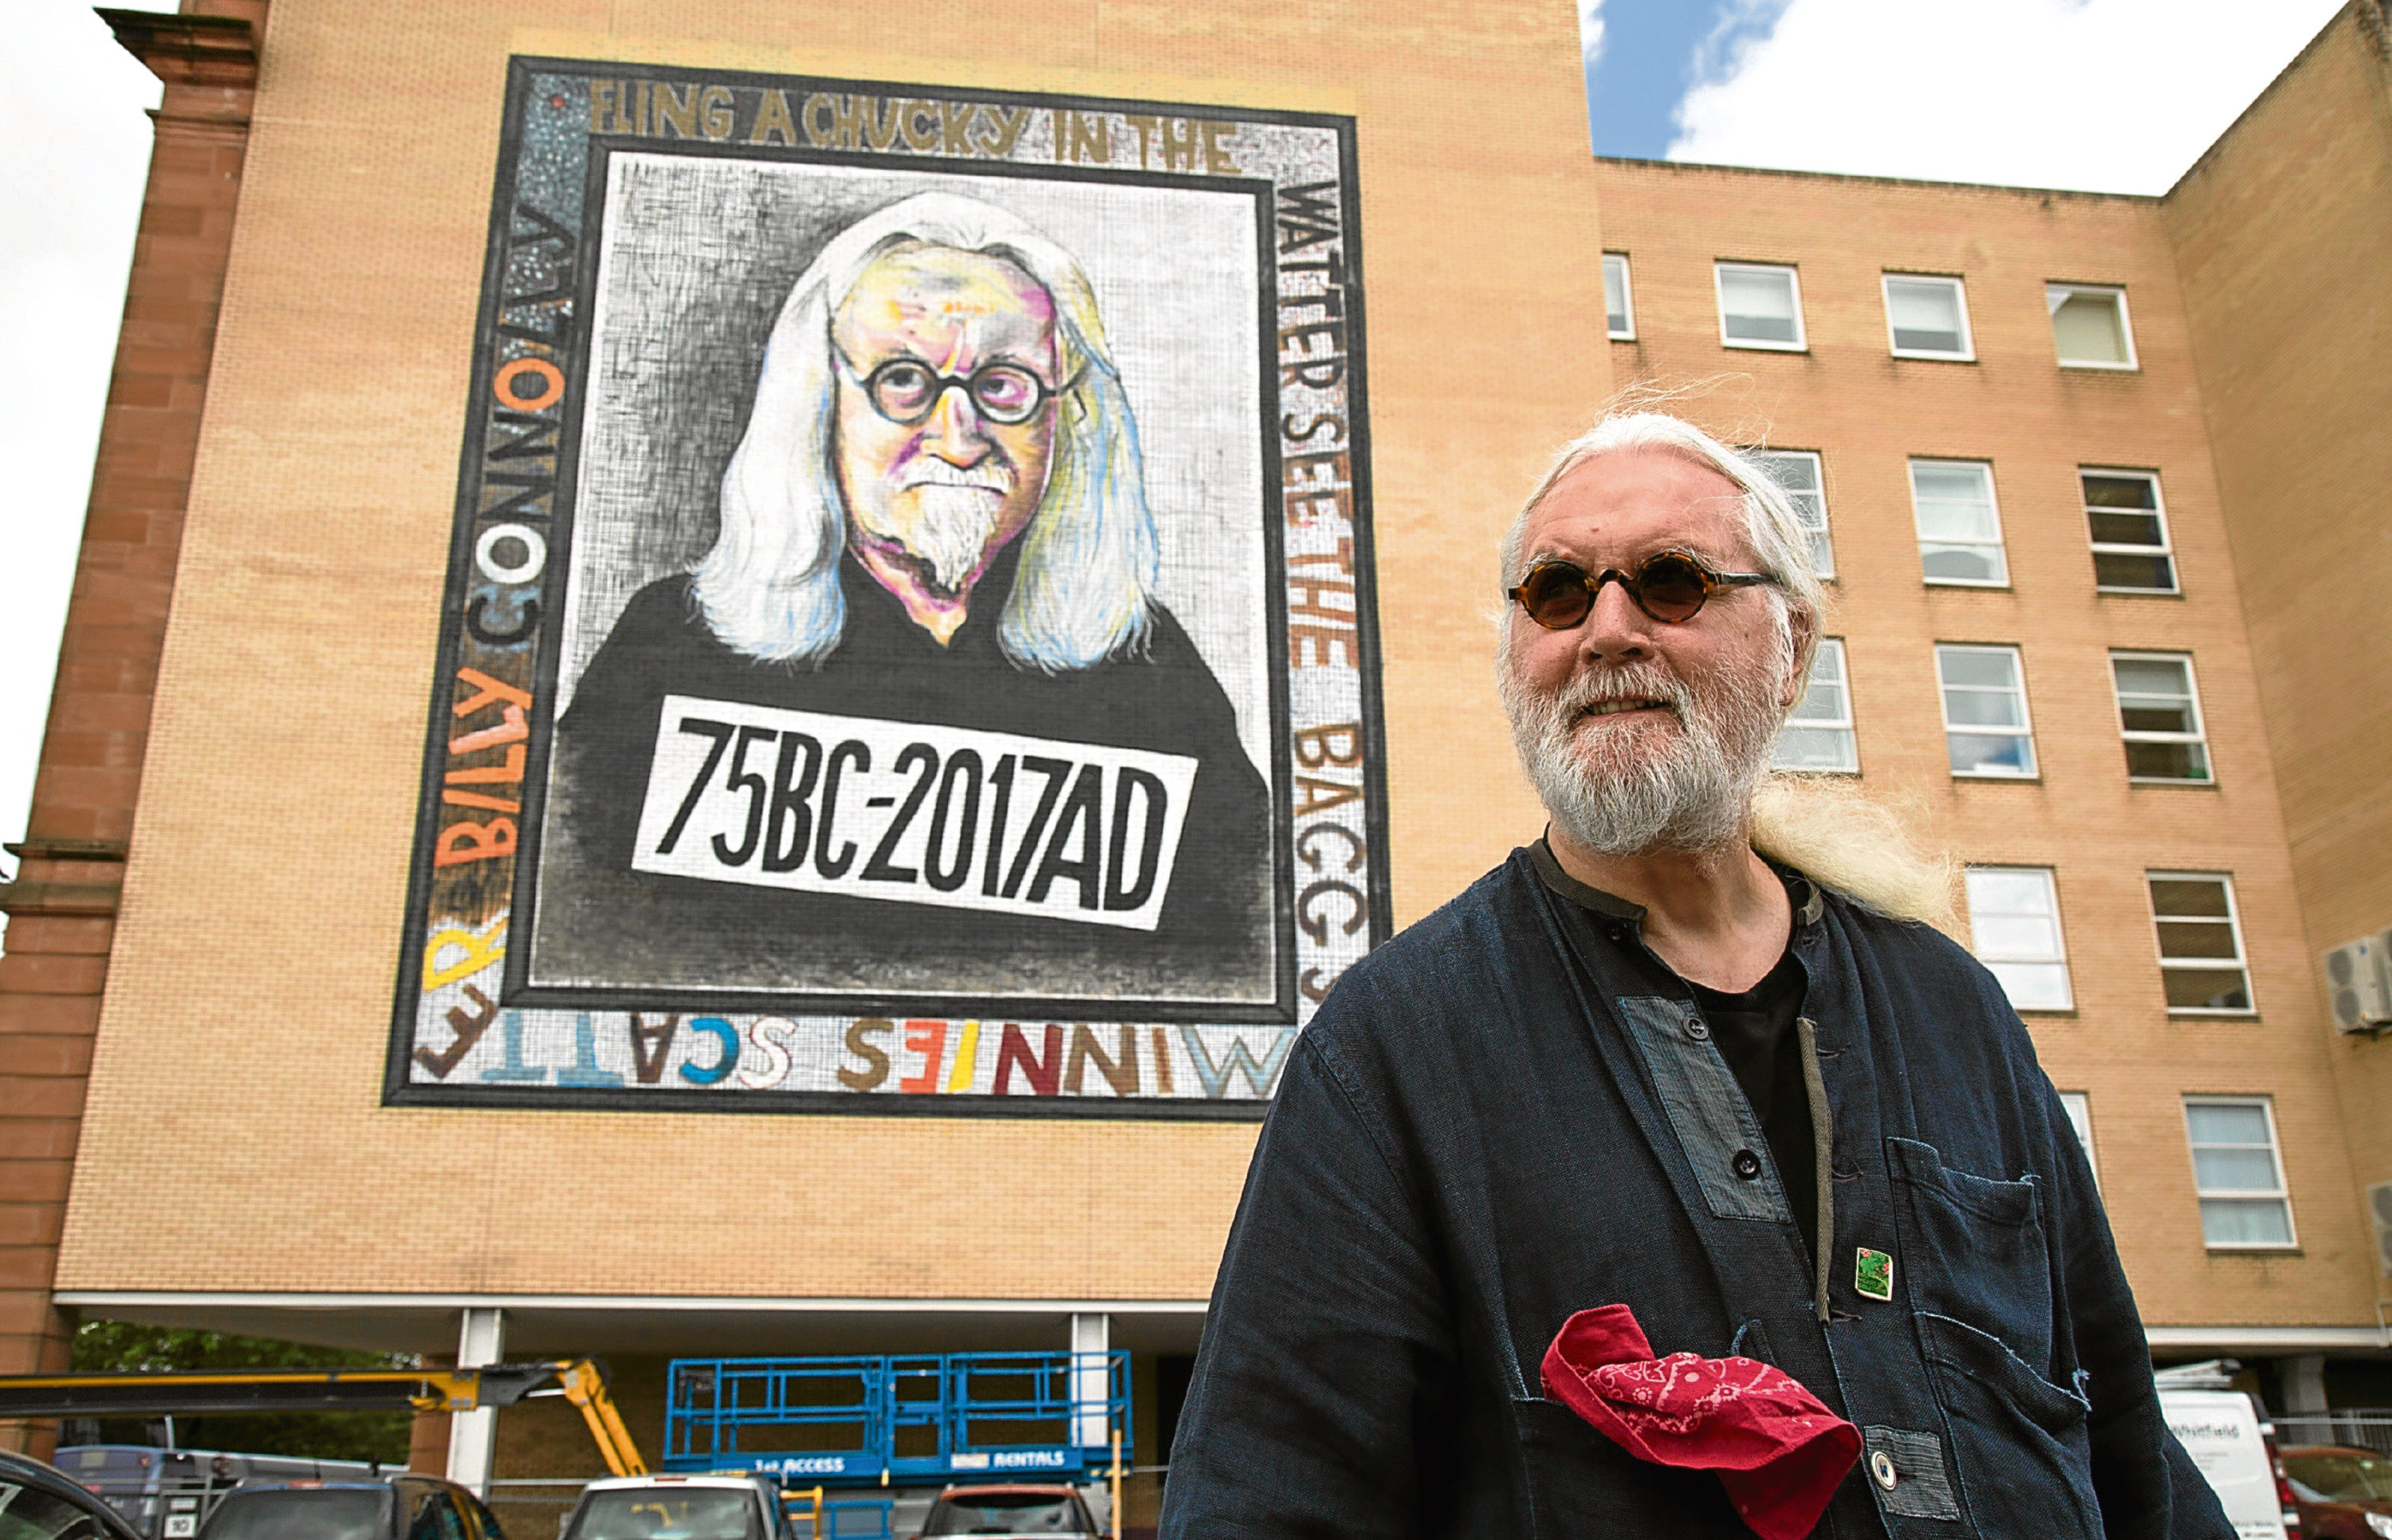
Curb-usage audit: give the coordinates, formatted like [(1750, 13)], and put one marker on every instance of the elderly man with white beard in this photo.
[(1676, 1179)]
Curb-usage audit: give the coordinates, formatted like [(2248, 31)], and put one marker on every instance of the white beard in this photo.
[(954, 529), (1612, 789)]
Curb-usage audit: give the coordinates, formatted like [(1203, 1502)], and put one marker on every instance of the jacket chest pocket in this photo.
[(1974, 1249)]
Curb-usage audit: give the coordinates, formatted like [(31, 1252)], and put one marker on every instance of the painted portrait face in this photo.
[(936, 476)]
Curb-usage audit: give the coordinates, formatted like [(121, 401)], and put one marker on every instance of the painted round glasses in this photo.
[(906, 391), (1671, 586)]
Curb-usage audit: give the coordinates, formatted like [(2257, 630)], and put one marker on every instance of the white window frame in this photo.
[(2125, 323), (2159, 512), (1829, 646), (2033, 771), (1627, 297), (2282, 1192), (2078, 1105), (2200, 733), (1967, 354), (1823, 538), (2000, 543), (2233, 922), (2058, 932), (1720, 268)]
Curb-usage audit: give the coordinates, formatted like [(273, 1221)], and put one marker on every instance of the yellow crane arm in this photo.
[(586, 1388), (235, 1390)]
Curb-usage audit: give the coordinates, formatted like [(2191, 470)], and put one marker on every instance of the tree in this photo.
[(129, 1346)]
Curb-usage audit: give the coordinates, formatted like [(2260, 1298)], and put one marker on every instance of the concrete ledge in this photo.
[(691, 1325)]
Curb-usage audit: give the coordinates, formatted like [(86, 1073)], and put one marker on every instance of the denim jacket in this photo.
[(1512, 1112)]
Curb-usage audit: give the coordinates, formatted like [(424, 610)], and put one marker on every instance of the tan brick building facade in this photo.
[(236, 1166)]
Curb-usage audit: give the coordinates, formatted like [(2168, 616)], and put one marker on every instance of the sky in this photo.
[(2116, 96), (2103, 95)]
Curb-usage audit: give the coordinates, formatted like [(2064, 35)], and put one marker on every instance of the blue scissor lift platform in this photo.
[(901, 1421)]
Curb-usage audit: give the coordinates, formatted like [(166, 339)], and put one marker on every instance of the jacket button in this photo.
[(1697, 1029), (1882, 1467), (1745, 1164)]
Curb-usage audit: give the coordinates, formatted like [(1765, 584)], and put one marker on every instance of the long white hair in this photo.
[(1824, 828), (1089, 560)]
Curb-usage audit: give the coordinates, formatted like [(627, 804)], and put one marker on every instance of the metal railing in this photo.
[(856, 1421), (2354, 1427)]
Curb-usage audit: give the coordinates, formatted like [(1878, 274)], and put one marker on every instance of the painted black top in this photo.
[(1504, 1117), (597, 920)]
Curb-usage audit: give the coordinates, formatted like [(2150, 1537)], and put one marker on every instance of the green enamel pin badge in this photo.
[(1872, 1274)]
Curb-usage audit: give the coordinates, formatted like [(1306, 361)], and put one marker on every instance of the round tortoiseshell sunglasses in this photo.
[(1671, 586)]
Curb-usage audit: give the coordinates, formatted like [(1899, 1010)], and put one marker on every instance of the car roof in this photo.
[(1042, 1489), (712, 1477), (25, 1470)]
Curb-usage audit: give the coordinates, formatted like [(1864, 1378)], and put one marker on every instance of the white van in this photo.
[(2220, 1428)]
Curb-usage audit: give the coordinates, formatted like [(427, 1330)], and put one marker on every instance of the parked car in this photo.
[(678, 1508), (2344, 1493), (38, 1503), (166, 1494), (1022, 1509), (396, 1508)]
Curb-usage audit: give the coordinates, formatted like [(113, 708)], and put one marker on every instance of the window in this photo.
[(2201, 944), (1620, 318), (2130, 539), (2160, 715), (1927, 317), (2014, 918), (1985, 724), (2079, 1107), (2089, 327), (1798, 471), (2236, 1171), (1959, 528), (1759, 306), (1818, 736)]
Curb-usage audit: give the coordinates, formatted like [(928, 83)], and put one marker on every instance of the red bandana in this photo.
[(1777, 1449)]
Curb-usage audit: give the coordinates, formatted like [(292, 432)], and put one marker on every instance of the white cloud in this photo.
[(2114, 96), (1589, 32), (70, 111)]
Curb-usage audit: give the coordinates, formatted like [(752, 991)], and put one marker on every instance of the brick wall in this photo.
[(249, 999), (62, 906), (1868, 413), (2290, 333)]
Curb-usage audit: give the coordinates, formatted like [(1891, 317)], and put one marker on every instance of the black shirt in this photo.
[(1754, 1032)]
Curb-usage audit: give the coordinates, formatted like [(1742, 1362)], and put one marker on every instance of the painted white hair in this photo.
[(769, 587), (1824, 828)]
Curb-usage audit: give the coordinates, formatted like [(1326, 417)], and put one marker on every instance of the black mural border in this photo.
[(400, 1088)]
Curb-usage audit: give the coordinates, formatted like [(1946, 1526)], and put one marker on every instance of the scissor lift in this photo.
[(901, 1421)]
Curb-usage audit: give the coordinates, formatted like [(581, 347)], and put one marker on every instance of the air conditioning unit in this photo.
[(2379, 1208), (2359, 985)]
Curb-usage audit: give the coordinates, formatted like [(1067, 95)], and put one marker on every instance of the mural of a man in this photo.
[(937, 515)]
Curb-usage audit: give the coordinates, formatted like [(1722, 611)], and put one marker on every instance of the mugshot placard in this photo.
[(910, 636)]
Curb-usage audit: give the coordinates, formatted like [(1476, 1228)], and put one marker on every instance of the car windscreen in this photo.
[(303, 1513), (650, 1513), (2342, 1478), (1006, 1513), (29, 1513)]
